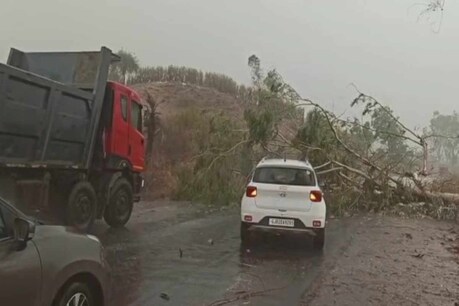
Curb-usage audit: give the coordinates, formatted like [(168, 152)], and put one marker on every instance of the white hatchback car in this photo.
[(284, 195)]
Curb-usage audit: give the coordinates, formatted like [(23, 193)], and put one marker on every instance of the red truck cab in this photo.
[(124, 141)]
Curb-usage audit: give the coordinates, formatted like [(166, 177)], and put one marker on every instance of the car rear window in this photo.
[(284, 176)]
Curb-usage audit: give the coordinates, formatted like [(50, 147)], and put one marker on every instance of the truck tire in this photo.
[(120, 203), (81, 206)]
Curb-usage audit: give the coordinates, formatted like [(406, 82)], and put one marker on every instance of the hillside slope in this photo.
[(176, 97), (183, 110)]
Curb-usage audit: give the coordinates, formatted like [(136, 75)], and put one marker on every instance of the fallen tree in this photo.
[(372, 163)]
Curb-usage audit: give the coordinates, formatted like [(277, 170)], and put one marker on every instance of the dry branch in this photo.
[(322, 166), (329, 170)]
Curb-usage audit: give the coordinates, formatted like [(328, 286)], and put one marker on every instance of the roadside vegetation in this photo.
[(371, 161)]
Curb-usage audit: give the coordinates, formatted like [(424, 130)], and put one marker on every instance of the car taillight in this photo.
[(315, 196), (251, 192)]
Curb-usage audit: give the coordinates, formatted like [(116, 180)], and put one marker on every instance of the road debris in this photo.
[(418, 255), (164, 296), (408, 235)]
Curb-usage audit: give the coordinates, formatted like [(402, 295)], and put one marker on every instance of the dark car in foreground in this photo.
[(49, 265)]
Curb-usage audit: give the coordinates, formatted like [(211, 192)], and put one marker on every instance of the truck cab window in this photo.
[(124, 105), (136, 116)]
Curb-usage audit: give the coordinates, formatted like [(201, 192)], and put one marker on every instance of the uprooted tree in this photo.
[(374, 162)]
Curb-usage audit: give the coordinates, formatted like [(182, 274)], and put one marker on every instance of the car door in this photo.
[(120, 127), (20, 270), (136, 138)]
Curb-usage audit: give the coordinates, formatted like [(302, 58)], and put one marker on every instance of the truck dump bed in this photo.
[(50, 107)]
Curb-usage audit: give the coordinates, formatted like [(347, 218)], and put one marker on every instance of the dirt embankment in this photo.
[(181, 110), (173, 98)]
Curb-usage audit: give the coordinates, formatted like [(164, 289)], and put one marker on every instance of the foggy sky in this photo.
[(320, 47)]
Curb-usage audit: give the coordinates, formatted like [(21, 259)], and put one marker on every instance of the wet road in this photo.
[(179, 254)]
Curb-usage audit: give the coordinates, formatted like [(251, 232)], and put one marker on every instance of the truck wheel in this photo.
[(120, 203), (319, 239), (81, 206)]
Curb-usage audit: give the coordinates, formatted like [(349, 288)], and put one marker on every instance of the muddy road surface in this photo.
[(182, 254)]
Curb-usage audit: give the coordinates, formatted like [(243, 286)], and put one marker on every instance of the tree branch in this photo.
[(329, 170), (362, 98)]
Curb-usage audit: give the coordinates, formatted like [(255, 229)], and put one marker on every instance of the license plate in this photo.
[(281, 222)]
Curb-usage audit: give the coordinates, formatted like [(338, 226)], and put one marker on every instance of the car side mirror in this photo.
[(23, 232)]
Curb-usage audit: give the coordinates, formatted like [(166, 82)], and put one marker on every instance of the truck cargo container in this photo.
[(71, 141)]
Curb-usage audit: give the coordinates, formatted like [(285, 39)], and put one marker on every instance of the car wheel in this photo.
[(319, 239), (120, 204), (76, 294), (81, 206), (245, 234)]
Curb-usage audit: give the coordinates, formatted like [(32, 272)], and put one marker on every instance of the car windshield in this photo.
[(14, 209), (284, 176)]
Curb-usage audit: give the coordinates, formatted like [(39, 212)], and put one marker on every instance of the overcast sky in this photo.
[(320, 47)]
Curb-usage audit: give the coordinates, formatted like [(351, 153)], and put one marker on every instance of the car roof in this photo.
[(293, 163)]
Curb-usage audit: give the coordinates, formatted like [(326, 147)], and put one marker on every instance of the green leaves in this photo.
[(383, 130), (214, 177), (369, 103), (254, 64), (272, 104), (128, 65), (443, 132), (261, 125)]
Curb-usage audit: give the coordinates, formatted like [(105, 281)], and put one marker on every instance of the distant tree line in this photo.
[(193, 76), (129, 71)]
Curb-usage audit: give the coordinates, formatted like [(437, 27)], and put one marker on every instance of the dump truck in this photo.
[(71, 141)]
